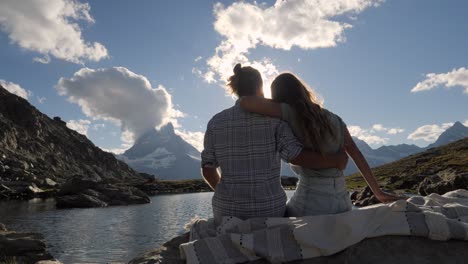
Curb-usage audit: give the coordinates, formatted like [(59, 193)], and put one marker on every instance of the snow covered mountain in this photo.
[(163, 154), (167, 156)]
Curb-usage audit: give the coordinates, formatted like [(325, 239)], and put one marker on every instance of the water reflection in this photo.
[(113, 234)]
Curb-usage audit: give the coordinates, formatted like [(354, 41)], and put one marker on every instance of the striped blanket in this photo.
[(437, 217)]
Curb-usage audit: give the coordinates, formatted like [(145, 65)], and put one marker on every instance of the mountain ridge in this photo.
[(406, 174), (387, 154), (163, 154), (38, 153)]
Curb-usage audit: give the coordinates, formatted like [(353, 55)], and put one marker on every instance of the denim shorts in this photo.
[(318, 196)]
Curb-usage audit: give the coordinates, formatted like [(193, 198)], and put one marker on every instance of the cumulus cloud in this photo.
[(286, 24), (429, 133), (15, 89), (50, 28), (193, 138), (120, 96), (81, 126), (457, 77), (465, 123), (391, 131), (368, 135)]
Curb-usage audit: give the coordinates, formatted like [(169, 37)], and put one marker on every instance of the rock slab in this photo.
[(382, 250), (84, 193)]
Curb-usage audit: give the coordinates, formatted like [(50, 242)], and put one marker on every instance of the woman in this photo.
[(318, 191)]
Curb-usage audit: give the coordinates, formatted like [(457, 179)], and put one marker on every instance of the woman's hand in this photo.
[(388, 197)]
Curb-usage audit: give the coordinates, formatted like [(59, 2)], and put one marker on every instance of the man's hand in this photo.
[(341, 159)]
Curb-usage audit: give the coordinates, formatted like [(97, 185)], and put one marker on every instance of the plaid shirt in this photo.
[(248, 149)]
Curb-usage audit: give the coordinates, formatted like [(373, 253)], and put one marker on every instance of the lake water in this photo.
[(103, 235)]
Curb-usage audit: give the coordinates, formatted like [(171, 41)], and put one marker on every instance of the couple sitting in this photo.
[(244, 145)]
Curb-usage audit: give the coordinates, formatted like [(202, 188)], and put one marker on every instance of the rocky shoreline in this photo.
[(23, 248), (80, 192)]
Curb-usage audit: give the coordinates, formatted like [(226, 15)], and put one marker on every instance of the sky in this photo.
[(396, 71)]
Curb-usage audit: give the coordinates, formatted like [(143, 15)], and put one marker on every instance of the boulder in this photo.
[(364, 198), (22, 247), (77, 184), (80, 200), (167, 254), (50, 182), (382, 250), (443, 182), (82, 193)]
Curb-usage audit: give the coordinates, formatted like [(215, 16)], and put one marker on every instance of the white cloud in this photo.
[(454, 78), (81, 126), (390, 131), (120, 96), (50, 28), (193, 138), (98, 126), (198, 58), (429, 133), (378, 127), (15, 89), (465, 123), (367, 135), (40, 99), (393, 131), (43, 60), (301, 23)]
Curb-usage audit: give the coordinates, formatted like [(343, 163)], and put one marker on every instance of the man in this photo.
[(247, 148)]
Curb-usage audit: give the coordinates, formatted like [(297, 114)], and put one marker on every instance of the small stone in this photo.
[(50, 182)]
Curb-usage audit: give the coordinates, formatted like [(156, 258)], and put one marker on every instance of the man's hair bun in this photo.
[(237, 69)]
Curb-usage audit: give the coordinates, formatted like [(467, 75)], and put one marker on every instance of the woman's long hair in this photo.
[(313, 119)]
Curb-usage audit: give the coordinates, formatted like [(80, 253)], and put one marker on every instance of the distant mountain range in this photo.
[(163, 154), (387, 154), (166, 155)]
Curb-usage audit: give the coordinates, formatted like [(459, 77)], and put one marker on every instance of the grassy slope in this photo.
[(452, 157)]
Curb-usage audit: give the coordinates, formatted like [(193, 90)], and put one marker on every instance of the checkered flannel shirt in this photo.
[(248, 148)]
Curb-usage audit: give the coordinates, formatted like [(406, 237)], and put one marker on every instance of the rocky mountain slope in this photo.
[(39, 155), (164, 154), (437, 170), (453, 133)]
